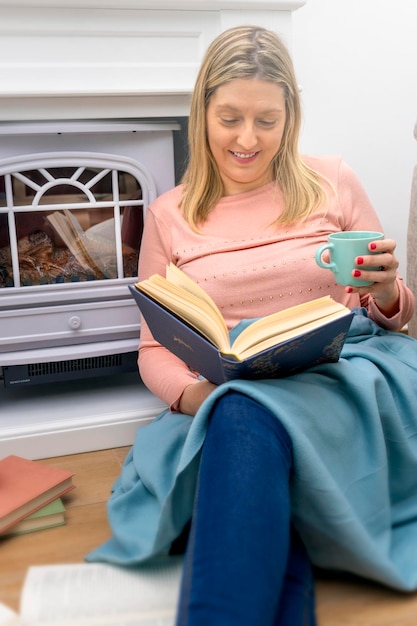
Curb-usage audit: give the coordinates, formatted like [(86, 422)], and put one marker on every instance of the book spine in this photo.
[(182, 340)]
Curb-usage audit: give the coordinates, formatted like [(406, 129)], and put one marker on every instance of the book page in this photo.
[(272, 341), (277, 327), (177, 277), (189, 307), (7, 616), (101, 594)]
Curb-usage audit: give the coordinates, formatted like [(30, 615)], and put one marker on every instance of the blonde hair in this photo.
[(240, 53)]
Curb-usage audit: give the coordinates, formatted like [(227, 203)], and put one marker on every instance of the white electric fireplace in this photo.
[(94, 99)]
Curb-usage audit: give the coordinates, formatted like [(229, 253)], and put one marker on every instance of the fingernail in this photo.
[(373, 246), (349, 289), (357, 273), (359, 260)]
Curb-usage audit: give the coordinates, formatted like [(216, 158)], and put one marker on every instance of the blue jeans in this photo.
[(244, 564)]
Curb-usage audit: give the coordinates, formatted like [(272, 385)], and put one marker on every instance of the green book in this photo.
[(52, 514)]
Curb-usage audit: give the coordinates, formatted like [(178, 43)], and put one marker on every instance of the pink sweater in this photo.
[(251, 267)]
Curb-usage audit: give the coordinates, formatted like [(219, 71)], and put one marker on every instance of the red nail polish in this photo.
[(359, 260), (373, 246), (357, 273), (349, 289)]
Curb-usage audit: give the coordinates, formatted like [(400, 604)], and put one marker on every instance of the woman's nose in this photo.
[(247, 136)]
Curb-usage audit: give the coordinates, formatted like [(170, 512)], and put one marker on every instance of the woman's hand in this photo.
[(384, 288), (194, 395)]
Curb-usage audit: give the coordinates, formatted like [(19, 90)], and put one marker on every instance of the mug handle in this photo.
[(319, 260)]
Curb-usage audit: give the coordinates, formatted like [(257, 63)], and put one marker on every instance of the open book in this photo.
[(183, 318), (98, 594)]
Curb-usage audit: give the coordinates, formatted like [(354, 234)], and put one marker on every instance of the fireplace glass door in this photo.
[(70, 220), (70, 233)]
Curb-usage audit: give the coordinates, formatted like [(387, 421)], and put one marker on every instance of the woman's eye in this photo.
[(231, 121), (267, 123)]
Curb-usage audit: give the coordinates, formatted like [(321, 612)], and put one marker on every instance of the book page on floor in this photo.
[(99, 594), (8, 617)]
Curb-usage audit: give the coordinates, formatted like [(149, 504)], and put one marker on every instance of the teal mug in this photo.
[(343, 248)]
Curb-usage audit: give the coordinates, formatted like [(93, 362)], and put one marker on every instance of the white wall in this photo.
[(356, 61)]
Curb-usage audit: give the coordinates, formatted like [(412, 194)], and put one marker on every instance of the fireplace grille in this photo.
[(56, 371)]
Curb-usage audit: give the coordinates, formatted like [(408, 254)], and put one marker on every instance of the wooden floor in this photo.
[(338, 603)]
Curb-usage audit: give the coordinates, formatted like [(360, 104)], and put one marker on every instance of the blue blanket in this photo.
[(353, 425)]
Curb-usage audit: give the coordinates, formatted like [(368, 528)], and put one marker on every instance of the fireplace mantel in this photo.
[(159, 5), (84, 59)]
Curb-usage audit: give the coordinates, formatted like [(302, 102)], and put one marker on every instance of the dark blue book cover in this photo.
[(321, 345)]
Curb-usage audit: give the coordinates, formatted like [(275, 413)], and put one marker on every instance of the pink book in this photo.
[(26, 486)]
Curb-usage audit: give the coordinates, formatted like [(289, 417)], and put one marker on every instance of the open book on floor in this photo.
[(98, 594), (183, 318)]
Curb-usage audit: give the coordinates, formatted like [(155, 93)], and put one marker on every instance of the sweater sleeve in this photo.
[(359, 214), (162, 372), (405, 311)]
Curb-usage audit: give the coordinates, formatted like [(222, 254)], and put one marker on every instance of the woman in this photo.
[(317, 467)]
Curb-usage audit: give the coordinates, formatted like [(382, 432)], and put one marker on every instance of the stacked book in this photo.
[(30, 495)]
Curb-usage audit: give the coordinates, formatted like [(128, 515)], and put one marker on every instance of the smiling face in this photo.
[(245, 123)]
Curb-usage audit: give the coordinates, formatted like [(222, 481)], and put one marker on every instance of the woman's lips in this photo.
[(244, 157)]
